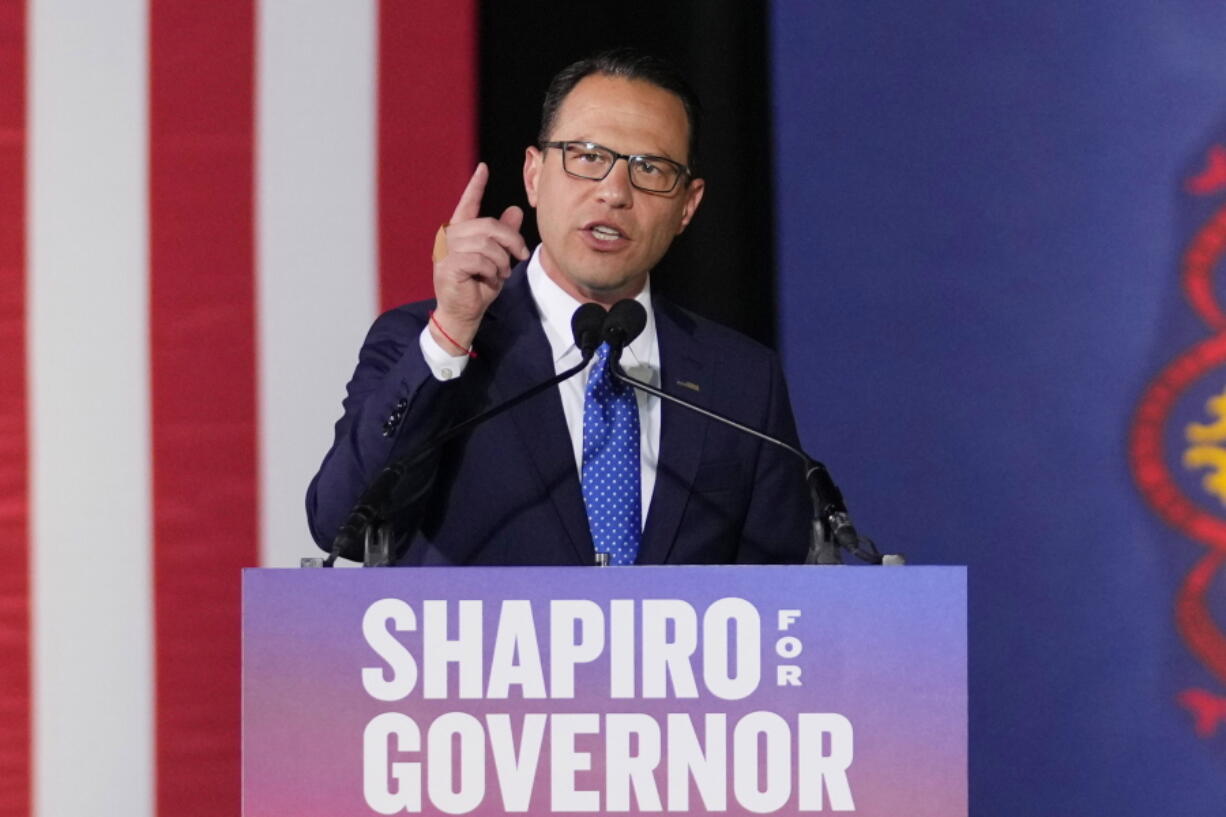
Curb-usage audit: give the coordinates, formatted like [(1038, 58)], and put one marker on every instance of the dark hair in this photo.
[(626, 63)]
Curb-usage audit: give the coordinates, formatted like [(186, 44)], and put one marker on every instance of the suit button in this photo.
[(402, 405)]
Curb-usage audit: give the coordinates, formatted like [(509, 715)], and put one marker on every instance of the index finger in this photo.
[(470, 200)]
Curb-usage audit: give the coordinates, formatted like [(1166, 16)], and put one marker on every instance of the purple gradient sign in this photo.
[(694, 690)]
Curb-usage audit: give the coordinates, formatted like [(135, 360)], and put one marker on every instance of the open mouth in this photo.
[(603, 232)]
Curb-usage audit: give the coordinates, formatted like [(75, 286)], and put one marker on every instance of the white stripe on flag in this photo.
[(89, 408), (316, 254)]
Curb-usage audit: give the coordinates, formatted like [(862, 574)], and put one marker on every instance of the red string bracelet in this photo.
[(469, 351)]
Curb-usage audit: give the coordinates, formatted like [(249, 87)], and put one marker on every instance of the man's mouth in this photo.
[(604, 232)]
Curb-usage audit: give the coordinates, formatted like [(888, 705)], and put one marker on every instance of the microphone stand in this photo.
[(367, 519), (367, 516), (831, 529)]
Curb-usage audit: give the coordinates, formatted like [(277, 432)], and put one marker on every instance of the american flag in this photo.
[(202, 207)]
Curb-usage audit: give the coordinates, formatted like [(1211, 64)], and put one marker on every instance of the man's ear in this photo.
[(693, 196), (533, 163)]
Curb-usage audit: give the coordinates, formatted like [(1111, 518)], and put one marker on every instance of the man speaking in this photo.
[(593, 466)]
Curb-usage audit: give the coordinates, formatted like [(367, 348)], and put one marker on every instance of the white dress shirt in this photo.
[(641, 360)]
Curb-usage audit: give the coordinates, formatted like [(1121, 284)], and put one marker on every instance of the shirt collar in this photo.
[(557, 306)]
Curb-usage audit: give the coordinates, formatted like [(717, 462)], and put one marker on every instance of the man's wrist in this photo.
[(452, 334), (439, 359)]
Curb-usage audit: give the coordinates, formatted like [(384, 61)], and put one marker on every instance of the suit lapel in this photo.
[(682, 433), (512, 331)]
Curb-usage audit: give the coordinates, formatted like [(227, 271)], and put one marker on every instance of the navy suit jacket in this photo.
[(508, 492)]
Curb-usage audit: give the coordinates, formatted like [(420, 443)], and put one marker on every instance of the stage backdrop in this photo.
[(996, 239), (988, 214)]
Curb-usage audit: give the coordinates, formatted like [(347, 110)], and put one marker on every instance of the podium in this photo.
[(567, 690)]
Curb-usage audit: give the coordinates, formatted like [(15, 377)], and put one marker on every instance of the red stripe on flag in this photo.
[(202, 333), (427, 134), (15, 698)]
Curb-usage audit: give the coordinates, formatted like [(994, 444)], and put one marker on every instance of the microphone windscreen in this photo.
[(586, 327), (626, 321)]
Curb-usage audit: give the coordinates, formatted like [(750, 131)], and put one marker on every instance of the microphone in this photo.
[(586, 326), (626, 320), (832, 524)]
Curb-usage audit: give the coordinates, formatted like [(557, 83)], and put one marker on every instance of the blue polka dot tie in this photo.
[(611, 463)]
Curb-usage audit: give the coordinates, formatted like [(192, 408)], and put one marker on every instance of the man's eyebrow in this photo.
[(652, 154)]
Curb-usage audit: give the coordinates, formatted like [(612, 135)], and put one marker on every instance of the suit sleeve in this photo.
[(776, 529), (393, 405)]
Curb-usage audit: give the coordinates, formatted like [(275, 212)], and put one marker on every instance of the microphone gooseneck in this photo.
[(372, 506), (832, 528)]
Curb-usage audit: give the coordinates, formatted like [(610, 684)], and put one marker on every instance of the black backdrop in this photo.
[(723, 265)]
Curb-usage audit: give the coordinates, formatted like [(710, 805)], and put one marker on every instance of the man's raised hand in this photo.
[(469, 276)]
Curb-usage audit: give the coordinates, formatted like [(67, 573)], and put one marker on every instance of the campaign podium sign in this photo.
[(554, 690)]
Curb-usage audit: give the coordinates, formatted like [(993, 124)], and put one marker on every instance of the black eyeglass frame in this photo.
[(683, 170)]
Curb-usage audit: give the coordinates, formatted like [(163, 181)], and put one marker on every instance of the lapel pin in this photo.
[(688, 384)]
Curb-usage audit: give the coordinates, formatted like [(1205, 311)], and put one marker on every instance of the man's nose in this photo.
[(615, 189)]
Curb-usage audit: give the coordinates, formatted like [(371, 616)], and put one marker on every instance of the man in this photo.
[(591, 467)]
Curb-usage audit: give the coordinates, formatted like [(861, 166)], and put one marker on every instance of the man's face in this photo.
[(630, 117)]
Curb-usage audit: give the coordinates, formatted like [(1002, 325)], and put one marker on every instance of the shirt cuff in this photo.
[(442, 365)]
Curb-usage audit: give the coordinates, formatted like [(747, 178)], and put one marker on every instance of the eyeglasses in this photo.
[(588, 160)]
